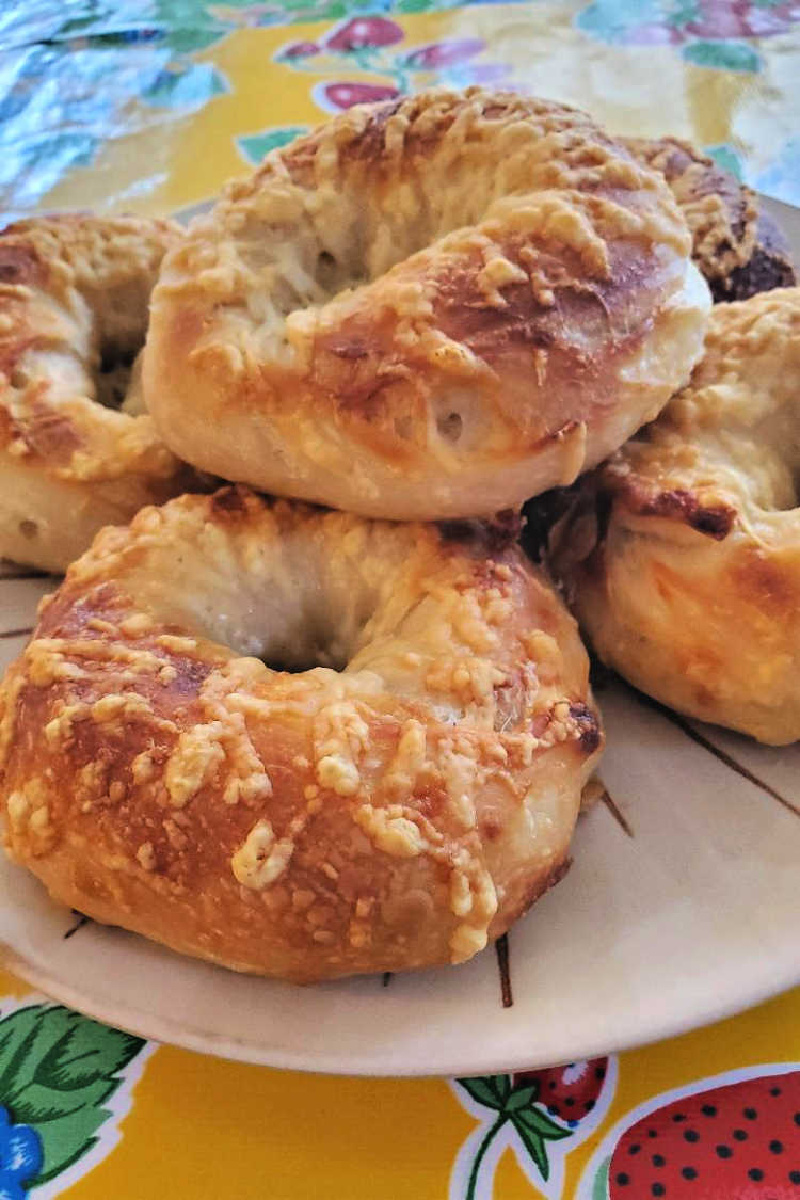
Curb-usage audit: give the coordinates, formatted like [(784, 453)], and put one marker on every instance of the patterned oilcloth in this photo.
[(117, 104), (148, 106), (96, 1114)]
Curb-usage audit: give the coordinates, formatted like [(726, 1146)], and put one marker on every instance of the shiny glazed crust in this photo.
[(392, 814), (739, 249), (428, 308), (74, 292), (682, 554)]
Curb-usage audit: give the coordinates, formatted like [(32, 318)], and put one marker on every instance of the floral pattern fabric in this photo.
[(100, 99)]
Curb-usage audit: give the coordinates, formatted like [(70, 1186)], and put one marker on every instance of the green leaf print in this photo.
[(487, 1090), (517, 1104), (256, 146), (726, 157), (728, 56), (179, 86), (57, 1070)]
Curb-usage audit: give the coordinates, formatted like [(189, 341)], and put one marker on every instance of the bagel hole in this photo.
[(459, 421), (294, 664), (788, 444), (768, 456), (281, 600), (786, 498), (304, 655), (450, 427), (333, 275), (113, 376), (326, 270), (312, 640)]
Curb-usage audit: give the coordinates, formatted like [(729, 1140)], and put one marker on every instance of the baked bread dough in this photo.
[(681, 555), (429, 308), (76, 451), (393, 808)]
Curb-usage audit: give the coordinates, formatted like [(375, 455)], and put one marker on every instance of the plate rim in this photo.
[(164, 1031)]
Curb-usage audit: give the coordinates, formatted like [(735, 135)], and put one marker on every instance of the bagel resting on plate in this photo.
[(681, 554), (394, 794), (428, 308)]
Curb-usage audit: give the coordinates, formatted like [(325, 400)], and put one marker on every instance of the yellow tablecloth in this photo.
[(149, 107)]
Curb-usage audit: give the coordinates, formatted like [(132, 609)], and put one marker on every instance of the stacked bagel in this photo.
[(312, 741)]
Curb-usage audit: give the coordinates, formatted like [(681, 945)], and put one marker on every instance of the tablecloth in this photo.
[(148, 107)]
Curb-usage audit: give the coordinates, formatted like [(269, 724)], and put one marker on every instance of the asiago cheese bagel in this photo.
[(429, 308), (395, 789), (76, 450), (682, 553)]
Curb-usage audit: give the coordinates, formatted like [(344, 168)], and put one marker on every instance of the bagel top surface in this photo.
[(76, 450), (432, 307), (392, 809)]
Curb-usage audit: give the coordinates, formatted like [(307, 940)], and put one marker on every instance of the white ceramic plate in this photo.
[(680, 909)]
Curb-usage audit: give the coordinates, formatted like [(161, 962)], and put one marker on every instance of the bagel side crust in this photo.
[(682, 554)]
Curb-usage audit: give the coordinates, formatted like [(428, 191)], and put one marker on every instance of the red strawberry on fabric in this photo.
[(444, 54), (344, 95), (722, 19), (738, 1141), (360, 32), (568, 1092), (300, 50)]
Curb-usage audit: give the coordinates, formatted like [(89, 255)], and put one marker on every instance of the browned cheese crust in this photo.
[(429, 308), (682, 554), (74, 292), (393, 810), (739, 249)]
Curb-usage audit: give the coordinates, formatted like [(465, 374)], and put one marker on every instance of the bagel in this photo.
[(391, 809), (738, 247), (429, 308), (681, 555), (76, 453)]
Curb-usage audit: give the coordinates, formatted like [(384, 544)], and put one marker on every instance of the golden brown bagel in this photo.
[(682, 554), (76, 453), (738, 247), (389, 810), (429, 308)]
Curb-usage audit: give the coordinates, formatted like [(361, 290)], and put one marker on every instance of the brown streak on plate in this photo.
[(501, 947), (79, 924), (722, 755), (616, 812), (12, 633)]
